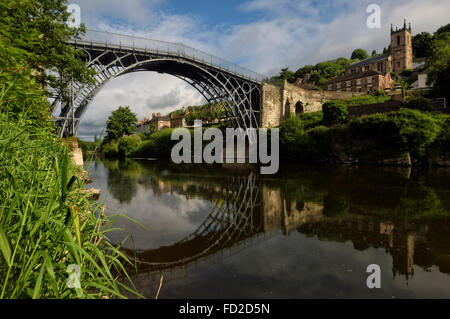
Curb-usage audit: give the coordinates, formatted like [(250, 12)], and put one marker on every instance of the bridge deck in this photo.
[(137, 44)]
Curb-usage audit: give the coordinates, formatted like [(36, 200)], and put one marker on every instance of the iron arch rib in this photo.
[(236, 94)]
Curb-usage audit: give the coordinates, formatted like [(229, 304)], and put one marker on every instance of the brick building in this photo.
[(374, 73)]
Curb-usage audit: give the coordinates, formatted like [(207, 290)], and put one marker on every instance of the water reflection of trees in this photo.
[(405, 212), (121, 180)]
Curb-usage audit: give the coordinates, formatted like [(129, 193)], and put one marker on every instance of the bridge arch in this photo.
[(235, 91)]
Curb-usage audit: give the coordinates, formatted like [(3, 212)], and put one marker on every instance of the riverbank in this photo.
[(50, 230), (409, 134)]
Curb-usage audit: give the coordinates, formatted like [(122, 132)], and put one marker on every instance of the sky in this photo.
[(262, 35)]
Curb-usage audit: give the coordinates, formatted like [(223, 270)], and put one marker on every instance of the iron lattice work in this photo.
[(235, 91), (233, 220)]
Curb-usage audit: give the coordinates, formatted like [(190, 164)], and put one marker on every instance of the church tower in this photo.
[(401, 48)]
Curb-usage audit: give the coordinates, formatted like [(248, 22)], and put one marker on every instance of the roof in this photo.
[(370, 60), (350, 77)]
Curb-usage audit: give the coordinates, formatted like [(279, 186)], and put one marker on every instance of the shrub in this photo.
[(378, 93), (374, 98), (335, 112), (110, 149), (406, 72), (159, 144), (128, 144), (310, 120), (442, 142), (420, 103), (290, 130), (405, 130)]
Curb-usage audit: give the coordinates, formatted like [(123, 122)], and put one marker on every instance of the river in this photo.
[(307, 232)]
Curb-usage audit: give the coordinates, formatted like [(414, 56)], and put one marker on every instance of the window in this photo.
[(399, 64), (398, 40), (330, 87), (380, 67)]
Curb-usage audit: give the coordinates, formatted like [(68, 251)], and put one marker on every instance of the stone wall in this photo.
[(278, 103)]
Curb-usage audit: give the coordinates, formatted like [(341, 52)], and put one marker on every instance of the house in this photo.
[(374, 73)]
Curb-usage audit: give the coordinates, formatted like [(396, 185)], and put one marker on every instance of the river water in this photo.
[(307, 232)]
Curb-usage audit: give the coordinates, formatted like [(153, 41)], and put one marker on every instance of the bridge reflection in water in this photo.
[(248, 210)]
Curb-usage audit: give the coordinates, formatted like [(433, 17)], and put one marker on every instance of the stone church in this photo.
[(375, 73)]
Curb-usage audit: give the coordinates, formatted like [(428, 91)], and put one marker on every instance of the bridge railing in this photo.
[(137, 43)]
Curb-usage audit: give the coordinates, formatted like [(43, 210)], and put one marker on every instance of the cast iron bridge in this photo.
[(235, 91)]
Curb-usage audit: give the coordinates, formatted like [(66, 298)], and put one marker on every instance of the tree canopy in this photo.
[(121, 122), (359, 54), (439, 65), (422, 44), (33, 36)]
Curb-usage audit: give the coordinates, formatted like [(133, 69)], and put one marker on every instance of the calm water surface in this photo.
[(308, 232)]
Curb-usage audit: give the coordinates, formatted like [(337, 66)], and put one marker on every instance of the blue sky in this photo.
[(263, 35)]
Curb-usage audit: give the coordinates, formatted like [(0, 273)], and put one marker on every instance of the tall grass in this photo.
[(47, 223)]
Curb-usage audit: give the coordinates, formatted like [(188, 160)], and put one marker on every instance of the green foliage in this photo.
[(288, 75), (33, 47), (443, 29), (47, 223), (159, 144), (376, 97), (128, 144), (418, 103), (335, 112), (290, 130), (110, 149), (407, 72), (379, 93), (405, 130), (310, 120), (121, 122), (300, 73), (359, 54), (320, 73), (422, 44), (442, 142), (439, 65)]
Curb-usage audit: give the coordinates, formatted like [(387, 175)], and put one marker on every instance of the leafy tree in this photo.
[(359, 54), (33, 46), (422, 44), (443, 29), (287, 74), (374, 53), (335, 112), (121, 122), (301, 72), (439, 65)]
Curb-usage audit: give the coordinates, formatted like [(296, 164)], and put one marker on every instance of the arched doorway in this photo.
[(299, 109)]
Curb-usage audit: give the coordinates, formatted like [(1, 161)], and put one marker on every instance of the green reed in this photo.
[(47, 223)]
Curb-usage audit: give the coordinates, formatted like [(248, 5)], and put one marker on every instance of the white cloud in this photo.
[(144, 92)]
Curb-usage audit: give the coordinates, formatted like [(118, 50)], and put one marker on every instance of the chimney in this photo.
[(153, 115), (159, 114)]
